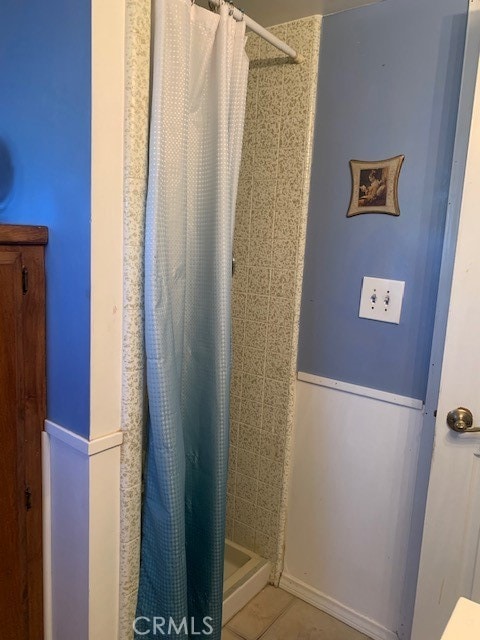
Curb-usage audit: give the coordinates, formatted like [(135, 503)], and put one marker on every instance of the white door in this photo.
[(450, 558)]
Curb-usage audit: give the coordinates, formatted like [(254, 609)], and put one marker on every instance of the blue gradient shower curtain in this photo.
[(200, 72)]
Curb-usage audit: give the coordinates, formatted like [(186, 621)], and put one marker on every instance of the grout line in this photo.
[(235, 633), (277, 617), (280, 615)]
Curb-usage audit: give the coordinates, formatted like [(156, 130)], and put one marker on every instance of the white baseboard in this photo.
[(81, 534), (336, 609)]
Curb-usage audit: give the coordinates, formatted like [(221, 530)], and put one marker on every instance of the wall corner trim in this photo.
[(366, 392), (87, 447), (107, 168), (81, 534), (334, 608)]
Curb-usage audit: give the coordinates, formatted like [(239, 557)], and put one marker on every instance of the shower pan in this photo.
[(244, 575)]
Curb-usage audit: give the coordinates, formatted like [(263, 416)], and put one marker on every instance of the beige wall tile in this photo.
[(260, 251), (263, 191), (242, 230), (247, 487), (251, 47), (255, 360), (231, 490), (232, 460), (266, 546), (243, 534), (270, 471), (236, 383), (252, 388), (283, 283), (269, 497), (272, 446), (251, 414), (238, 331), (266, 520), (276, 392), (247, 462), (249, 438), (259, 280), (256, 334), (230, 502), (268, 246), (229, 529), (279, 338), (237, 356), (274, 418), (239, 301), (234, 408), (281, 311), (234, 433), (244, 512), (241, 278), (278, 366), (256, 308)]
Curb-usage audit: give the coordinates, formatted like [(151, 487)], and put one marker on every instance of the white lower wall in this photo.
[(81, 534), (350, 503)]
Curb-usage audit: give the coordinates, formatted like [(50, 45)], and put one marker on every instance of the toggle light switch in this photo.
[(381, 299)]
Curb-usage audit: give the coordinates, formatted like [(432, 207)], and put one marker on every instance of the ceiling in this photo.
[(270, 12)]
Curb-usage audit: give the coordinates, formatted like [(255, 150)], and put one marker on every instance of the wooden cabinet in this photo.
[(22, 413)]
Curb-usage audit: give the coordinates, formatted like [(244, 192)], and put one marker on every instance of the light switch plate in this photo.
[(381, 299)]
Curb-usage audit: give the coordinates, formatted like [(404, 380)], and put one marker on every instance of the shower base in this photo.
[(245, 574)]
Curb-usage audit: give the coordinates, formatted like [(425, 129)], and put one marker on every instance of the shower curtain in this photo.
[(200, 72)]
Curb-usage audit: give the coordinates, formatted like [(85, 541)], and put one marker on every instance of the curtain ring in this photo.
[(242, 11)]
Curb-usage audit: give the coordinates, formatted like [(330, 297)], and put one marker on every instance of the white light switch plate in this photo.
[(381, 299)]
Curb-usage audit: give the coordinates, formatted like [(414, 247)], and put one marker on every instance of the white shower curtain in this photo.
[(200, 73)]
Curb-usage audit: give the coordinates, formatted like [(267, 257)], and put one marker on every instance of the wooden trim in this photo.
[(23, 234), (366, 392), (86, 447)]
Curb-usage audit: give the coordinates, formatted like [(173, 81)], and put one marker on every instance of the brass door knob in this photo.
[(461, 421)]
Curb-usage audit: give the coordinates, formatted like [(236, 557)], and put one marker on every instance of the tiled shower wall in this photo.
[(137, 91), (269, 246)]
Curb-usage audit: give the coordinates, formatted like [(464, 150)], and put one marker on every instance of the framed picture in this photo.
[(375, 186)]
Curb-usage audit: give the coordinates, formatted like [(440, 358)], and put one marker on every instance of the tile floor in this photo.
[(276, 615)]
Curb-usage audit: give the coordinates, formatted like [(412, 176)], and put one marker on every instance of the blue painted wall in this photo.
[(388, 85), (45, 125)]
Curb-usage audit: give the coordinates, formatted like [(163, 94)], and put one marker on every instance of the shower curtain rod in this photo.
[(239, 15)]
